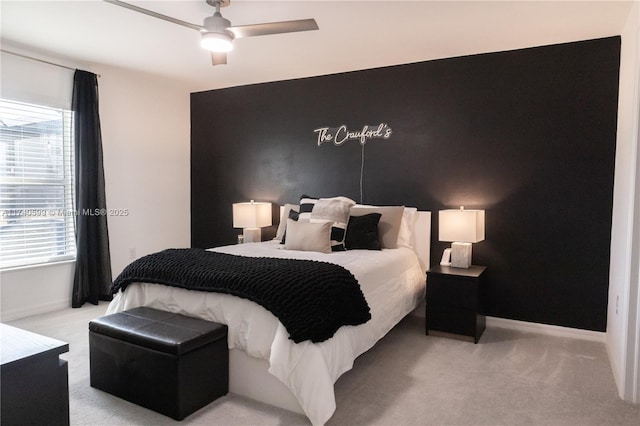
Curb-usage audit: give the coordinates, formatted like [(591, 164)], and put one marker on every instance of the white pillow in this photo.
[(282, 226), (307, 236), (406, 236), (389, 225)]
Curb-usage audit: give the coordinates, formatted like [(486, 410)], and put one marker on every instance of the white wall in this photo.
[(35, 290), (623, 282), (146, 141)]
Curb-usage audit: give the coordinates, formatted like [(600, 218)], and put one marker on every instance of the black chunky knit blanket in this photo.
[(311, 299)]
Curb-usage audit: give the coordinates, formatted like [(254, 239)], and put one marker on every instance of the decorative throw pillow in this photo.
[(283, 220), (389, 225), (307, 236), (293, 215), (336, 211), (306, 205), (362, 232)]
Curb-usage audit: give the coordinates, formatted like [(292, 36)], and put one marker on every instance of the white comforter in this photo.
[(391, 280)]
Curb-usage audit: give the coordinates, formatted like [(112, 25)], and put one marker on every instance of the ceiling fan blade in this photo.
[(218, 58), (274, 28), (155, 14)]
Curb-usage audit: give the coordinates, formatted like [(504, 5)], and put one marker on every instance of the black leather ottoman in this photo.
[(166, 362)]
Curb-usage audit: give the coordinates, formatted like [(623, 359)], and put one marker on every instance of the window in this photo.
[(36, 184)]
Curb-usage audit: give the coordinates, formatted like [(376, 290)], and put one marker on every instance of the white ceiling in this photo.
[(353, 34)]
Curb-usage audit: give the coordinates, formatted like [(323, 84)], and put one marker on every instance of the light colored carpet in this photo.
[(508, 378)]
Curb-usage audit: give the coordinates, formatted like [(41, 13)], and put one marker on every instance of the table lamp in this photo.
[(462, 228), (251, 217)]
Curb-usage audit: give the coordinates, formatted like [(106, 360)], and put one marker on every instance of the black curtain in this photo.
[(93, 262)]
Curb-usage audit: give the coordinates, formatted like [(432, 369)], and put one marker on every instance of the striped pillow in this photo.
[(335, 210), (306, 205)]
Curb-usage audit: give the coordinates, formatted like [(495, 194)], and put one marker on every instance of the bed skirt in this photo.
[(249, 377)]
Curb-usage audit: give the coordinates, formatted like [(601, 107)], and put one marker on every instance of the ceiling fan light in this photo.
[(216, 42)]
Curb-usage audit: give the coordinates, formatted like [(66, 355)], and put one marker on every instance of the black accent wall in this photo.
[(528, 135)]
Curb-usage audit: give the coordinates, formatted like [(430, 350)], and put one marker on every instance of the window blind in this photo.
[(37, 215)]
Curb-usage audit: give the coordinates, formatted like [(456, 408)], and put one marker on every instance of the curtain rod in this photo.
[(38, 60)]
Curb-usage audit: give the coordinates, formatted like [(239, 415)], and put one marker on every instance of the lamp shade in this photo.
[(466, 226), (251, 215)]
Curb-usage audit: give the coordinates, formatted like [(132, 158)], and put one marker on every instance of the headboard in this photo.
[(422, 232)]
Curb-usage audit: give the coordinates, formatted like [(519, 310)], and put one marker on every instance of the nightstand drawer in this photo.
[(452, 292), (454, 301), (451, 320)]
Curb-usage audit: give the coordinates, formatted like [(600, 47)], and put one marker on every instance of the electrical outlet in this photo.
[(132, 253)]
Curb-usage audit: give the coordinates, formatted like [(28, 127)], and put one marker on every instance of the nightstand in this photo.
[(455, 305)]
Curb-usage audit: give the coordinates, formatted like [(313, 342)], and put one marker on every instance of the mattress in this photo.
[(392, 282)]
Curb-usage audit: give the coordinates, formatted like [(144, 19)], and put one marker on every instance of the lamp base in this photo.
[(461, 255), (446, 257), (252, 235)]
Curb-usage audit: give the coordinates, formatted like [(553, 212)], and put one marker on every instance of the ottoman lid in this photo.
[(159, 330)]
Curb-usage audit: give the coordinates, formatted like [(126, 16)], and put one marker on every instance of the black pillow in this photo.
[(362, 232), (294, 216)]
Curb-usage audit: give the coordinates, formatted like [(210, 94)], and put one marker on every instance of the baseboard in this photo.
[(532, 327), (550, 330), (14, 314)]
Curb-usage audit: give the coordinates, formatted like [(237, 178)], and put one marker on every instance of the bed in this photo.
[(265, 364)]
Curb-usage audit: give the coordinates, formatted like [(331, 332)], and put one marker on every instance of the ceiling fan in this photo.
[(217, 34)]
